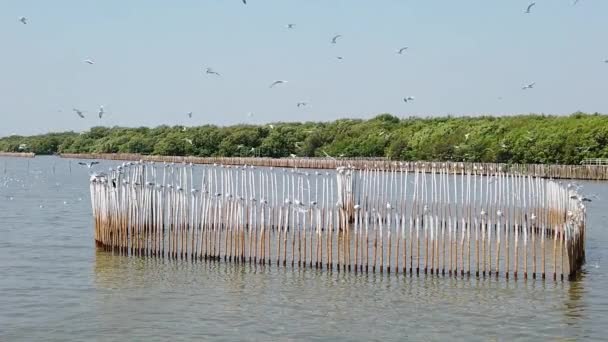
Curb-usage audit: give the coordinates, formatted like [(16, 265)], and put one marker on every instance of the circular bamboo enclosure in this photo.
[(422, 218)]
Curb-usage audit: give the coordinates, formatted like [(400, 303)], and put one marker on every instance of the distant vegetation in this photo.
[(514, 139)]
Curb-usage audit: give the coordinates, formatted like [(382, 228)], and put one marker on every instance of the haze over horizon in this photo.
[(463, 58)]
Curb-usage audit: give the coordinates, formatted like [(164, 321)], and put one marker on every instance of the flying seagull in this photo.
[(79, 112), (101, 111), (244, 2), (402, 50), (250, 114), (291, 26), (408, 99), (212, 72), (334, 40), (528, 86), (189, 141), (23, 20), (277, 82), (606, 61), (190, 115), (530, 7), (302, 104), (89, 61), (271, 126), (89, 165), (339, 57)]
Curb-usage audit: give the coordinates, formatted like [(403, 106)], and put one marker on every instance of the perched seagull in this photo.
[(211, 72), (89, 61), (402, 50), (334, 40), (101, 111), (302, 104), (189, 141), (79, 112), (189, 115), (408, 99), (530, 7), (88, 165), (23, 20), (291, 26), (528, 86), (277, 82)]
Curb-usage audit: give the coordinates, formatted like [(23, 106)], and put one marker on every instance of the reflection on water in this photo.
[(54, 285)]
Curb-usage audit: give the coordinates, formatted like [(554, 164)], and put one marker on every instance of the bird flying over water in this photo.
[(402, 50), (23, 20), (408, 99), (302, 104), (528, 86), (606, 61), (79, 112), (88, 165), (532, 4), (212, 72), (334, 40), (277, 82), (89, 61), (101, 111), (244, 2), (339, 57), (291, 26)]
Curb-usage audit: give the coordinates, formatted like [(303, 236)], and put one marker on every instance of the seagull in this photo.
[(606, 61), (277, 82), (79, 112), (291, 26), (250, 114), (466, 136), (293, 155), (339, 57), (408, 99), (402, 50), (334, 40), (101, 111), (528, 86), (89, 61), (23, 20), (271, 126), (88, 165), (189, 141), (211, 72), (530, 7), (302, 104), (244, 2), (189, 115)]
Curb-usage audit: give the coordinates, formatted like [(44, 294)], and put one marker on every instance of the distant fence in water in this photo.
[(426, 220), (17, 154), (584, 172)]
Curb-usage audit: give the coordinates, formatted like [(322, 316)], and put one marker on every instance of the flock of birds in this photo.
[(334, 40)]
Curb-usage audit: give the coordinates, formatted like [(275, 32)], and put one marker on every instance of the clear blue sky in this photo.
[(150, 57)]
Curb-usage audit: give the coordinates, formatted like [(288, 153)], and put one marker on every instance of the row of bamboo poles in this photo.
[(17, 154), (430, 220), (584, 172)]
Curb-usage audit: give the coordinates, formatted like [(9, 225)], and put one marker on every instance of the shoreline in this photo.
[(18, 154)]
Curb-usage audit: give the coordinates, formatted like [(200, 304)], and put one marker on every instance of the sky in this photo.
[(463, 58)]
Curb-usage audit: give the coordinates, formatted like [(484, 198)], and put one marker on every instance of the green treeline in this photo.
[(513, 139)]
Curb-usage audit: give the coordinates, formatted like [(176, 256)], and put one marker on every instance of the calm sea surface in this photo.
[(55, 286)]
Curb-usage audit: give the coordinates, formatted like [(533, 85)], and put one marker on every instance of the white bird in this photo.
[(23, 20), (212, 72), (88, 165), (532, 4), (408, 99), (402, 50), (271, 126), (466, 136), (89, 61), (528, 86), (334, 40), (101, 111), (250, 114), (291, 26), (293, 155), (189, 115), (189, 141), (79, 112), (302, 104), (277, 82)]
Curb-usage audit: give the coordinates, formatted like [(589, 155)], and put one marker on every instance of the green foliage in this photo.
[(513, 139)]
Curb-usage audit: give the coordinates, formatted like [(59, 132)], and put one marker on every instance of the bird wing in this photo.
[(335, 38), (245, 2), (530, 6), (81, 163), (94, 162)]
